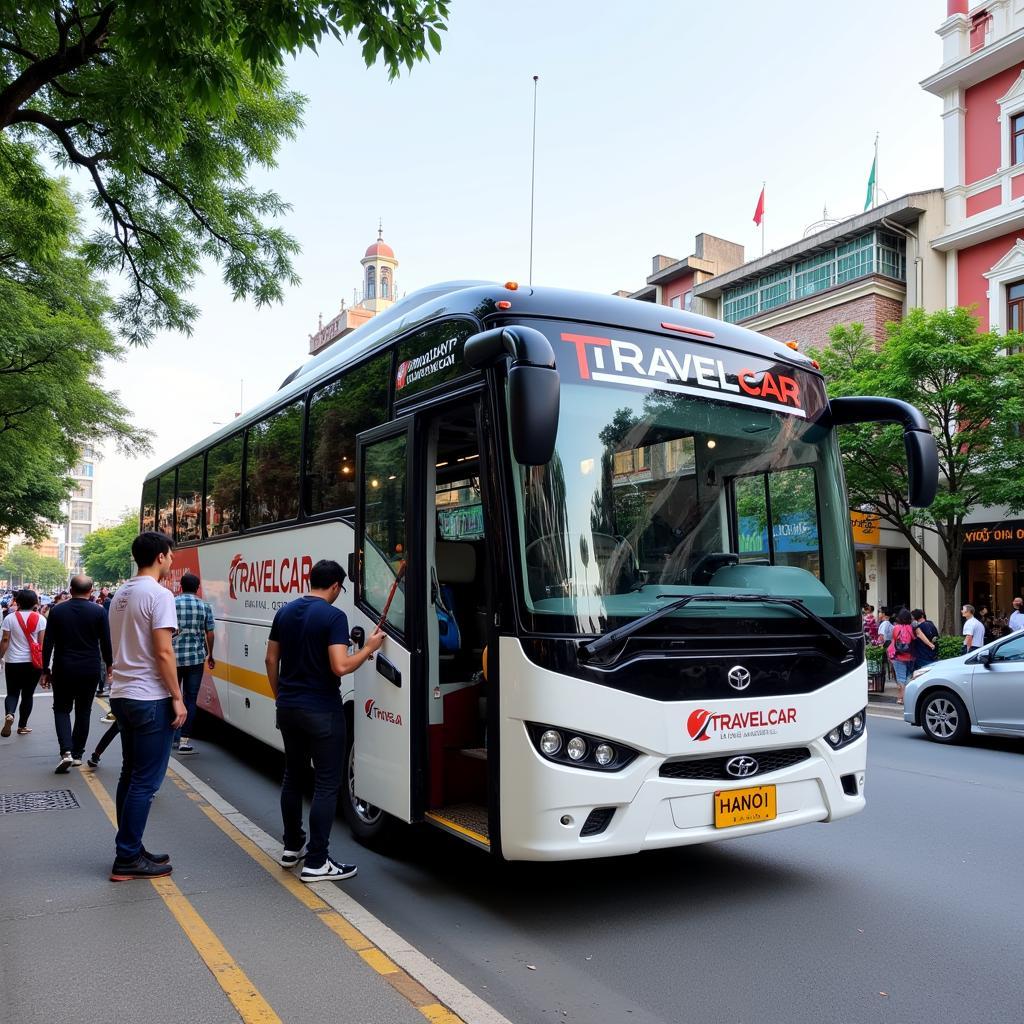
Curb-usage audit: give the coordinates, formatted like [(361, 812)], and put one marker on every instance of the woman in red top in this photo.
[(901, 650)]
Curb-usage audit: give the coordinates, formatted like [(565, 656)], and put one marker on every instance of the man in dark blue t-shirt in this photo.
[(306, 655)]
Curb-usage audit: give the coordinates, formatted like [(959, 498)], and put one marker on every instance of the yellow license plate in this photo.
[(743, 806)]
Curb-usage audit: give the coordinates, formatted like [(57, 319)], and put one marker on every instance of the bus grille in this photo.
[(714, 767)]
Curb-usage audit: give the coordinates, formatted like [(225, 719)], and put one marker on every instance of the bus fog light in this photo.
[(848, 728), (604, 754), (550, 742), (576, 748), (566, 820)]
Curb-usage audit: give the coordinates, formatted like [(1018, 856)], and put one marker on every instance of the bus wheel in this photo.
[(368, 823)]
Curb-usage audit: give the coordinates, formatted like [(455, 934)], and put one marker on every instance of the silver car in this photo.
[(981, 692)]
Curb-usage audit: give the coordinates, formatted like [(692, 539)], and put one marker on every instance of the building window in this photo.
[(1017, 138), (1015, 307), (83, 489), (385, 283), (78, 534), (688, 300), (876, 252), (81, 511), (676, 302), (371, 283)]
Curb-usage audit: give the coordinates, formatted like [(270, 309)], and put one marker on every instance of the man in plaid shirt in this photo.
[(193, 645)]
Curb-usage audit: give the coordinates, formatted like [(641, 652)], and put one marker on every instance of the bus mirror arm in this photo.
[(922, 456), (533, 386), (358, 637)]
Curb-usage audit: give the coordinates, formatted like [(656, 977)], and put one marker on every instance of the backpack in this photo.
[(35, 648), (902, 646)]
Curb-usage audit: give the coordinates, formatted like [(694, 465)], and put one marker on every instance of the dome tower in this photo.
[(379, 266)]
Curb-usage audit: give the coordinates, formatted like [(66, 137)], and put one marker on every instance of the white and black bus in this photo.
[(616, 545)]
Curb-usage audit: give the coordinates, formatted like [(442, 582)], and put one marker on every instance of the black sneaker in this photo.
[(94, 761), (141, 867), (289, 858), (329, 871), (65, 764), (156, 858)]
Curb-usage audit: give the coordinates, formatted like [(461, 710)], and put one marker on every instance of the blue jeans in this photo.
[(902, 670), (317, 736), (146, 748), (190, 678)]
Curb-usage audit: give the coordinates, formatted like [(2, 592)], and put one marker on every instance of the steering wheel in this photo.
[(614, 558), (707, 565)]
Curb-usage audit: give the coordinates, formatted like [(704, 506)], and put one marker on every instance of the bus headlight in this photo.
[(847, 731), (550, 742), (579, 749)]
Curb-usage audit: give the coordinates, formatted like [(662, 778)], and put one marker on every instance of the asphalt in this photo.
[(75, 946)]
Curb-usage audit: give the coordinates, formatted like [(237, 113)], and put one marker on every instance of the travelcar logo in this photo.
[(375, 713), (621, 362), (269, 575), (702, 724)]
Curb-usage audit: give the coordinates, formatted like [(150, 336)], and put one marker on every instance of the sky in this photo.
[(655, 121)]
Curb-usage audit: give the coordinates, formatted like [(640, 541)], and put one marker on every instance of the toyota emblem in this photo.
[(741, 767), (739, 677)]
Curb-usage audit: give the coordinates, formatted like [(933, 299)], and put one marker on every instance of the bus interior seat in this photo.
[(458, 575)]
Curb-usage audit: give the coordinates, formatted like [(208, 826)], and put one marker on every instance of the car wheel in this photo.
[(944, 717), (369, 824)]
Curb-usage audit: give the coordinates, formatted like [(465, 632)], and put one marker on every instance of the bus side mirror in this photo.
[(533, 387), (922, 456)]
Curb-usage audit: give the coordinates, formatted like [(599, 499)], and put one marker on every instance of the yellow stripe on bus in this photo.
[(255, 682)]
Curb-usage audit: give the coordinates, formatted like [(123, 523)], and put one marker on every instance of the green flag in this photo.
[(871, 184)]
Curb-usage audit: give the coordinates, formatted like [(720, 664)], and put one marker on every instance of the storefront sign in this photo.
[(866, 528), (1009, 533)]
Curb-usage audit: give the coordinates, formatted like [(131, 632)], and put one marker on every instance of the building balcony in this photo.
[(977, 45)]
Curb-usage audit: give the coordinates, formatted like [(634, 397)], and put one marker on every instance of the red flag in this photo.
[(759, 212)]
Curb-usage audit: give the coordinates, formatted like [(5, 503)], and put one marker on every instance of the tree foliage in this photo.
[(23, 565), (970, 387), (53, 340), (107, 552), (165, 108)]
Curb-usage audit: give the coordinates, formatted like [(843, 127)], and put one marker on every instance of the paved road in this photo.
[(907, 913)]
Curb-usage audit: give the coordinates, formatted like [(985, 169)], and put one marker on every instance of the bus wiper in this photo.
[(602, 643)]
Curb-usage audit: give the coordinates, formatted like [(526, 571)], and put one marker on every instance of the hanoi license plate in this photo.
[(743, 806)]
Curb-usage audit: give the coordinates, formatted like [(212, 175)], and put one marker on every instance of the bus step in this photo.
[(469, 821)]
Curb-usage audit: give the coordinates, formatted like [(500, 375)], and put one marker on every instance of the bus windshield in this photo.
[(653, 494)]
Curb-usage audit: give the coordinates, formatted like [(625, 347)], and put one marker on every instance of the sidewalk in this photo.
[(229, 936)]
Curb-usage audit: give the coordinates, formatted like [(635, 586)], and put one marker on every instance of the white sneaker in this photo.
[(289, 858), (77, 762), (330, 871), (65, 764)]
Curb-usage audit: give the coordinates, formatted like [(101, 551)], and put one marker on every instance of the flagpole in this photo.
[(876, 169), (763, 208), (533, 172)]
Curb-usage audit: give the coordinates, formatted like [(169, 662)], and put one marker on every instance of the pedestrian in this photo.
[(21, 647), (885, 636), (105, 740), (870, 623), (926, 635), (1017, 615), (78, 640), (973, 631), (306, 654), (901, 650), (145, 699), (193, 646)]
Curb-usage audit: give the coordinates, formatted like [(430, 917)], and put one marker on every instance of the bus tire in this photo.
[(369, 824), (944, 717)]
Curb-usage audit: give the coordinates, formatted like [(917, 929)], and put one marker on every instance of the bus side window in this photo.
[(224, 487), (165, 509), (149, 505), (337, 412), (188, 505), (271, 467)]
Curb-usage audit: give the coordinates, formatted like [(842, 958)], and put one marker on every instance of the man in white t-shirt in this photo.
[(1017, 615), (974, 629), (145, 698)]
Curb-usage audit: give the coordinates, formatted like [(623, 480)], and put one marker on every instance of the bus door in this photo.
[(388, 569)]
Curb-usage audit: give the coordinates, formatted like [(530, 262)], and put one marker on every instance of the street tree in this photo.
[(970, 387), (23, 565), (53, 340), (165, 109), (107, 552)]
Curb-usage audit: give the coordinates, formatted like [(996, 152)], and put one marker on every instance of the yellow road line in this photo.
[(400, 980), (251, 1006)]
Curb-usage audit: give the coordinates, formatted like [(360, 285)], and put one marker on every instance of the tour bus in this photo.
[(608, 542)]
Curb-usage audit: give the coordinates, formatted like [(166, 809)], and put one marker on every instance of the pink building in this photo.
[(981, 84)]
